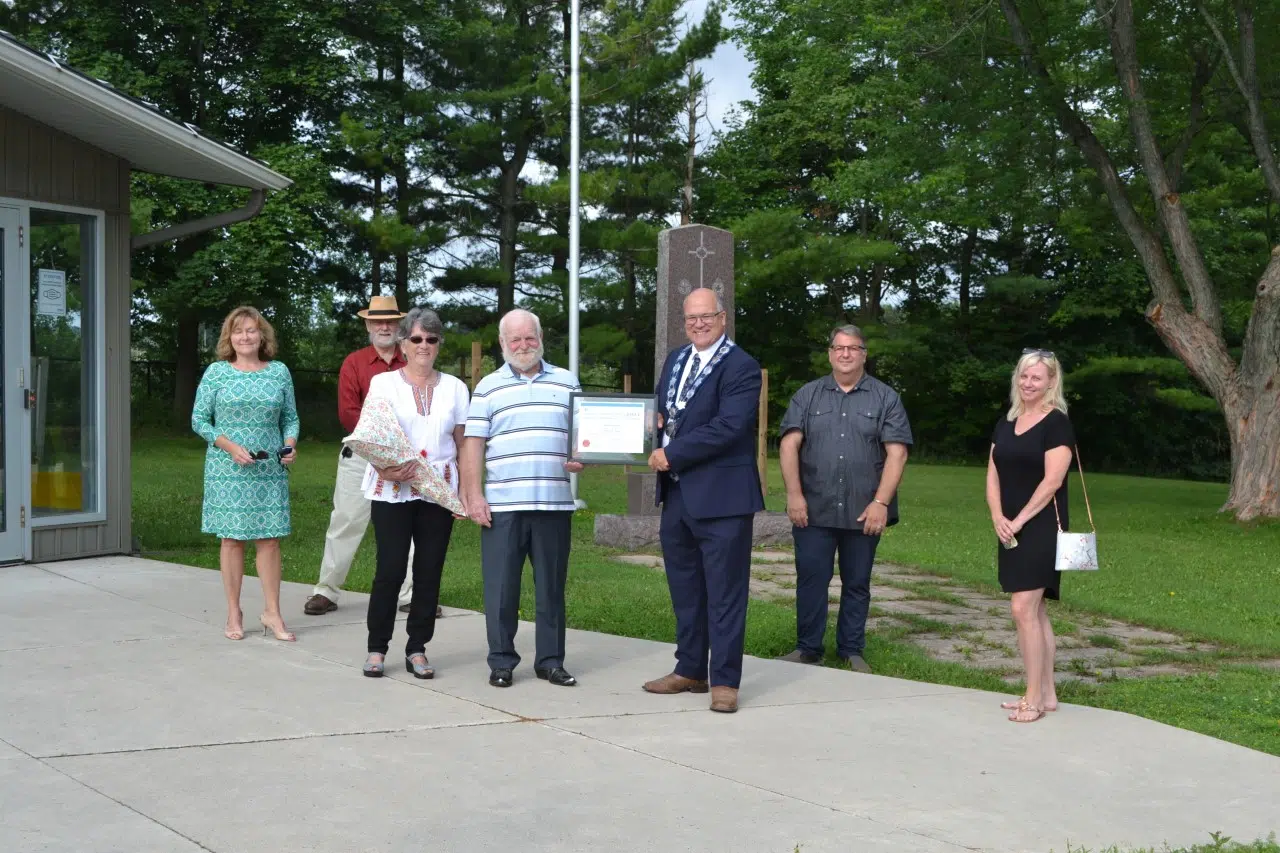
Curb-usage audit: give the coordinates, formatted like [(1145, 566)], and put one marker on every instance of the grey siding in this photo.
[(39, 164)]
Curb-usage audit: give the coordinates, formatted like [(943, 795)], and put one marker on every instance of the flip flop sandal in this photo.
[(1017, 703), (1024, 708)]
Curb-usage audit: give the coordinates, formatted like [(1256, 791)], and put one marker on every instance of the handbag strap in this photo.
[(1083, 489)]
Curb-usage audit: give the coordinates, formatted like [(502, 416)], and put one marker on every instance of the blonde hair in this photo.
[(1053, 396), (266, 341)]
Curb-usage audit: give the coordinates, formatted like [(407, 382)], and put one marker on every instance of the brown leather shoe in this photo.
[(675, 684), (317, 605), (724, 699)]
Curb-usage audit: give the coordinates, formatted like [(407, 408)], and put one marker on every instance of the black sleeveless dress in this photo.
[(1019, 461)]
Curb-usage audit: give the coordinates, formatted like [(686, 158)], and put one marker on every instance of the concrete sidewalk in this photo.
[(127, 723)]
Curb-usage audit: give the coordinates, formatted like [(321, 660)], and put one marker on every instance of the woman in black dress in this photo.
[(1026, 477)]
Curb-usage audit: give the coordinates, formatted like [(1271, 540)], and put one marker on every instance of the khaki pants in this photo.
[(347, 525)]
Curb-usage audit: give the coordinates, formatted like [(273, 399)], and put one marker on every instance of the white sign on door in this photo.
[(51, 293)]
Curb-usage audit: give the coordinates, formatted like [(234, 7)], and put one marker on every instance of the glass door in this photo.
[(13, 394)]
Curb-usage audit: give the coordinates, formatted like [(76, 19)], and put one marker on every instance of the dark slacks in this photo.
[(708, 564), (816, 549), (429, 526), (542, 536)]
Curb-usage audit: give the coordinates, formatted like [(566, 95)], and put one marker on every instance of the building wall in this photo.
[(40, 164)]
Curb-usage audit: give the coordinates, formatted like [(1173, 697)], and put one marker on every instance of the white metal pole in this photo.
[(574, 128)]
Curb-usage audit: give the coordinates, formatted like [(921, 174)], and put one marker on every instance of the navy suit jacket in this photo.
[(714, 448)]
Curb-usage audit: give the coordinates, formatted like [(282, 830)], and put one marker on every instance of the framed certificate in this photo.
[(611, 429)]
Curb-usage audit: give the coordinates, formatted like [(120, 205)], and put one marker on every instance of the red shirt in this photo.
[(358, 369)]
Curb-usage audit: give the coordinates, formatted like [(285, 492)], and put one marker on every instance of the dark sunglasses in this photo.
[(418, 339), (1043, 353), (263, 455)]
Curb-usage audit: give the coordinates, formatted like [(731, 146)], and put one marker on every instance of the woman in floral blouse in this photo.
[(432, 409)]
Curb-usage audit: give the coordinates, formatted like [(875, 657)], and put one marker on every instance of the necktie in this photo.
[(694, 369)]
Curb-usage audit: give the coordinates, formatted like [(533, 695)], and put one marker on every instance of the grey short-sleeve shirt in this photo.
[(842, 455)]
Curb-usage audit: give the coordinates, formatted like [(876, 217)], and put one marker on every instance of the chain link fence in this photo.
[(316, 392)]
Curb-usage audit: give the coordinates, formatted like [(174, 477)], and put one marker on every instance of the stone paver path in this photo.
[(957, 623)]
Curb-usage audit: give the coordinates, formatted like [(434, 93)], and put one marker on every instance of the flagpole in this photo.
[(574, 127)]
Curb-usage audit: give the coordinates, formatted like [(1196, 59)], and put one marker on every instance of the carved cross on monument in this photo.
[(689, 257)]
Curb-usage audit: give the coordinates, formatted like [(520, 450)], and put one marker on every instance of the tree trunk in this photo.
[(508, 230), (375, 205), (1255, 455), (966, 272), (400, 167), (375, 250), (1253, 412), (186, 373), (875, 293), (559, 158), (691, 150)]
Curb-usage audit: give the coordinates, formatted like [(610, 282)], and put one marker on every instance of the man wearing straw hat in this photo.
[(350, 516)]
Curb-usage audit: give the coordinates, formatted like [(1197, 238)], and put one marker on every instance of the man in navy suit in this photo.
[(708, 393)]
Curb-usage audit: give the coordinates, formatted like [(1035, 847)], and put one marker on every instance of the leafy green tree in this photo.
[(497, 75), (1181, 104), (258, 76)]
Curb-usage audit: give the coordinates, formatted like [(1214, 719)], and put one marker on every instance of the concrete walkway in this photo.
[(127, 723)]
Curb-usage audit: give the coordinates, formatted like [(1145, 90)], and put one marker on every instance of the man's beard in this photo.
[(522, 361), (375, 342)]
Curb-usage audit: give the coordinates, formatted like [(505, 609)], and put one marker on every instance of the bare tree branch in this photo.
[(1200, 79), (1246, 78)]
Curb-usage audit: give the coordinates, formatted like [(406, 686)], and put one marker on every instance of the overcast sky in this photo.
[(728, 73)]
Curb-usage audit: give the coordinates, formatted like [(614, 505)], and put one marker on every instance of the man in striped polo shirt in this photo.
[(519, 426)]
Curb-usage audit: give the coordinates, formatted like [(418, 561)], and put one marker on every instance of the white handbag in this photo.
[(1077, 552)]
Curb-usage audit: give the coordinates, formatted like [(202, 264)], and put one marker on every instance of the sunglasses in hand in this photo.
[(263, 455)]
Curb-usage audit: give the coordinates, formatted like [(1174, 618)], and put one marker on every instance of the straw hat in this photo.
[(381, 308)]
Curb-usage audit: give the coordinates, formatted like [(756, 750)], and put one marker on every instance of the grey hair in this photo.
[(715, 293), (519, 312), (423, 318), (847, 329)]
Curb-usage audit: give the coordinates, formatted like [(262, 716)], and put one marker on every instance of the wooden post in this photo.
[(762, 456), (475, 364), (626, 389)]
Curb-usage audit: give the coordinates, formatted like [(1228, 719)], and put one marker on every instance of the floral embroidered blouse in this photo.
[(428, 420)]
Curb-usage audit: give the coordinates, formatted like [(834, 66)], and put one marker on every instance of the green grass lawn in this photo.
[(1168, 561)]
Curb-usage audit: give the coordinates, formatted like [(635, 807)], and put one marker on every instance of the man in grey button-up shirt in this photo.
[(844, 446)]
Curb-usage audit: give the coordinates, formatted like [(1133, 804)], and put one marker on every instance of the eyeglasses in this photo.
[(416, 340), (697, 319), (1043, 353), (848, 350)]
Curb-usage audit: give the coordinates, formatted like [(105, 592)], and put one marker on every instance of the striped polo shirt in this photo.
[(525, 421)]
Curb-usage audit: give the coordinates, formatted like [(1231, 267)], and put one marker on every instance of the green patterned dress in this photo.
[(257, 411)]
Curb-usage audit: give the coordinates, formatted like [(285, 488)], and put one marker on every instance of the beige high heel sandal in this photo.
[(281, 635)]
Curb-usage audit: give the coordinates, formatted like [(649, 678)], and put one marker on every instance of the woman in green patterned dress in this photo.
[(245, 409)]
